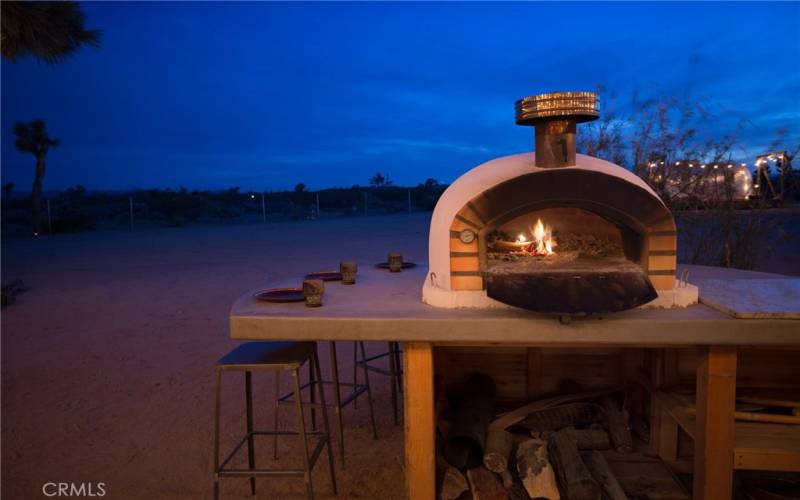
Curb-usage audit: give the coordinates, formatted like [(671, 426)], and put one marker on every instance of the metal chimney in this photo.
[(554, 116)]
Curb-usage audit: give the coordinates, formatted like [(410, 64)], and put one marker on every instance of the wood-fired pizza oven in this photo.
[(553, 231)]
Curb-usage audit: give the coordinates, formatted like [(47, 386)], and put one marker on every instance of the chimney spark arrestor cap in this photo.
[(574, 106)]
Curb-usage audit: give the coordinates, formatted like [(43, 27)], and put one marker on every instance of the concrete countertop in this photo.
[(385, 306)]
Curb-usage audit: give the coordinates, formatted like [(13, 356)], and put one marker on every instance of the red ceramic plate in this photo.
[(325, 276), (280, 295), (385, 265)]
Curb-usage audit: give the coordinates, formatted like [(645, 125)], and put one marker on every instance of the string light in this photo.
[(704, 165)]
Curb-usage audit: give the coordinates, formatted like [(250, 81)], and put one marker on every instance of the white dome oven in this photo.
[(553, 231)]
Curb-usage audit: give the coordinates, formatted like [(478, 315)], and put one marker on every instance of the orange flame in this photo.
[(543, 239)]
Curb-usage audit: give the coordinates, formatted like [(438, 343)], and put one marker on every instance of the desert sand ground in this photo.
[(107, 359)]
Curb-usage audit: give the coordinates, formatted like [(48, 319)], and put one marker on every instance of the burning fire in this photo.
[(543, 235), (543, 241)]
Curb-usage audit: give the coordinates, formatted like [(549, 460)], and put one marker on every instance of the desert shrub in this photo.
[(658, 140), (71, 211)]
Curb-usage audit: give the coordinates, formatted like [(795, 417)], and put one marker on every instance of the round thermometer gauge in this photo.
[(466, 236)]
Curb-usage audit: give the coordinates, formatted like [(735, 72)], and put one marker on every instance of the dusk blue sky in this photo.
[(266, 95)]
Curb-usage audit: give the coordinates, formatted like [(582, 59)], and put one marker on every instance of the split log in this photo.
[(485, 485), (498, 449), (507, 479), (453, 484), (640, 429), (601, 471), (535, 470), (574, 477), (589, 439), (499, 442), (568, 415), (508, 419), (517, 492), (513, 486), (473, 405), (618, 426)]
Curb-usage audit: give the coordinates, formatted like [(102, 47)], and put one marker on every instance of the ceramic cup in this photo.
[(312, 291), (395, 262), (348, 270)]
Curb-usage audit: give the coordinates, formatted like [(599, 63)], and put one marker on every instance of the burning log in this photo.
[(618, 426), (601, 471), (454, 484), (485, 485), (535, 470), (568, 415), (472, 405), (574, 477), (589, 439), (542, 244)]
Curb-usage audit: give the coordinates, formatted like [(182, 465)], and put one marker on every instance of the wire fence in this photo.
[(77, 209)]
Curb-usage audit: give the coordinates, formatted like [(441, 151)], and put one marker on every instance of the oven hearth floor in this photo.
[(567, 263)]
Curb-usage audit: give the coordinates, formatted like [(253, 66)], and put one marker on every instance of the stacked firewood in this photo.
[(549, 449)]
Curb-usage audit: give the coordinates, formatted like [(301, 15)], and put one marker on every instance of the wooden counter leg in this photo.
[(420, 438), (663, 428), (714, 437)]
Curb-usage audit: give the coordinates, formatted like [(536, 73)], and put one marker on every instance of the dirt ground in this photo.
[(107, 359)]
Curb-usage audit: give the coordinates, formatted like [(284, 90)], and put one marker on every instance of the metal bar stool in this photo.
[(395, 371), (339, 402), (276, 357)]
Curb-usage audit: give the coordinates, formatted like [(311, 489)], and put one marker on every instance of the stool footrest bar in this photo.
[(323, 439), (358, 390)]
